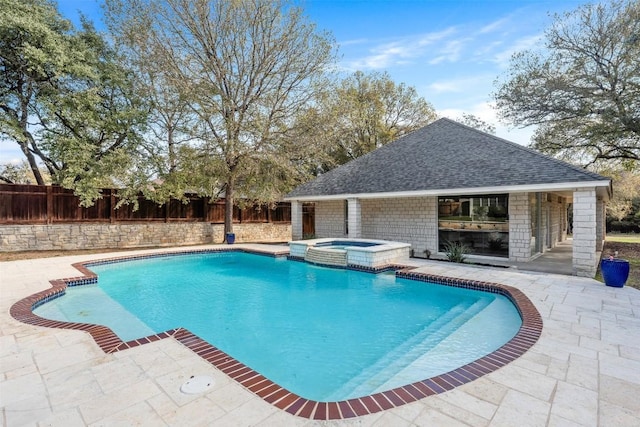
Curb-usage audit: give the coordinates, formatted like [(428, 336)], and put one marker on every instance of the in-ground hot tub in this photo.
[(366, 253)]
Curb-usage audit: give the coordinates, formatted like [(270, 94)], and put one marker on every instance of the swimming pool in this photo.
[(325, 334), (281, 397)]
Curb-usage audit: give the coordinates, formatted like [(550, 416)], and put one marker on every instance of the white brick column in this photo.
[(600, 223), (565, 220), (431, 219), (519, 227), (354, 219), (584, 232), (296, 220)]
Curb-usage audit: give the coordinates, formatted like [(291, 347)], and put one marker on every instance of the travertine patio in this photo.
[(584, 370)]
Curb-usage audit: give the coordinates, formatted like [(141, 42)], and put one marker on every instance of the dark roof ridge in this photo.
[(530, 150)]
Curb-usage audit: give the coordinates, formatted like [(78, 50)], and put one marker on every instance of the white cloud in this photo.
[(445, 87), (430, 38), (483, 51), (353, 42), (494, 26), (460, 85), (400, 51), (451, 52)]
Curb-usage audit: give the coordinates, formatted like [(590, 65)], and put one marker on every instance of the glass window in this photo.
[(480, 222)]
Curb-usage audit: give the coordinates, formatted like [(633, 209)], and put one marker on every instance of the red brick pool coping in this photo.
[(271, 392)]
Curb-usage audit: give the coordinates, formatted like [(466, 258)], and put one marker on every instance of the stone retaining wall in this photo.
[(14, 238)]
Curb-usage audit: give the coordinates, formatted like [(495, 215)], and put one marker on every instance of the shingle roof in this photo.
[(444, 155)]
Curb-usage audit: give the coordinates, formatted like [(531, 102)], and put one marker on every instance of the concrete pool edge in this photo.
[(272, 392)]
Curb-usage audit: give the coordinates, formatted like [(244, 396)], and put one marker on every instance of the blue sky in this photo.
[(450, 51)]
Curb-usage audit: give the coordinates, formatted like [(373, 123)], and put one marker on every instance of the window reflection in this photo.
[(480, 222)]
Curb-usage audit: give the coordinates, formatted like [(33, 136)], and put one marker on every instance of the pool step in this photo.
[(326, 256), (385, 369)]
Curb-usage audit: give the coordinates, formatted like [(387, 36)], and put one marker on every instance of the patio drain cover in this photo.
[(197, 384)]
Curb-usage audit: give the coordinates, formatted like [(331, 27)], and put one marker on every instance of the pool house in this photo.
[(449, 183)]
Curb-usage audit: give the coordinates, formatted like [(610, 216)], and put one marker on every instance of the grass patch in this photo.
[(628, 247), (624, 238)]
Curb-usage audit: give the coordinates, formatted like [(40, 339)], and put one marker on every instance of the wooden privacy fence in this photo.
[(43, 204)]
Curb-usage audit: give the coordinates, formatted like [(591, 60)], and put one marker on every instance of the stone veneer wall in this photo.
[(555, 209), (584, 232), (412, 220), (296, 220), (355, 219), (600, 224), (377, 259), (330, 219), (15, 238), (519, 227), (255, 232), (562, 219)]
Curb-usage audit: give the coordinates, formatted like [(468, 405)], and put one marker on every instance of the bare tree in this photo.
[(476, 123), (170, 121), (244, 68)]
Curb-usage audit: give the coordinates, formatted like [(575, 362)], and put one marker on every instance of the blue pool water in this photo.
[(325, 334), (346, 244)]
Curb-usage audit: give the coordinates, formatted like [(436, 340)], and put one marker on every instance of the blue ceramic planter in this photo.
[(615, 272), (231, 238)]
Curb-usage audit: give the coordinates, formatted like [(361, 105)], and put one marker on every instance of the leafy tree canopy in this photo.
[(34, 48), (627, 186), (65, 100), (583, 89)]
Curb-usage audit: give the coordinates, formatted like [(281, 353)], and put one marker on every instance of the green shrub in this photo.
[(456, 251)]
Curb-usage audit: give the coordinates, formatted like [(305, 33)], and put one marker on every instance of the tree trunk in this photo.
[(228, 207), (32, 164)]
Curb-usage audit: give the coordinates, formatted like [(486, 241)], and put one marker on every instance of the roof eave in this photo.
[(604, 187)]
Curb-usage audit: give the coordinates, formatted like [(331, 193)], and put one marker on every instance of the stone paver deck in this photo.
[(583, 371)]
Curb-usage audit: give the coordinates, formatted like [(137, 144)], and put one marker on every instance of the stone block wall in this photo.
[(519, 227), (255, 232), (330, 219), (584, 232), (14, 238), (564, 219), (600, 224), (364, 257), (355, 218), (296, 220), (556, 212), (412, 220)]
